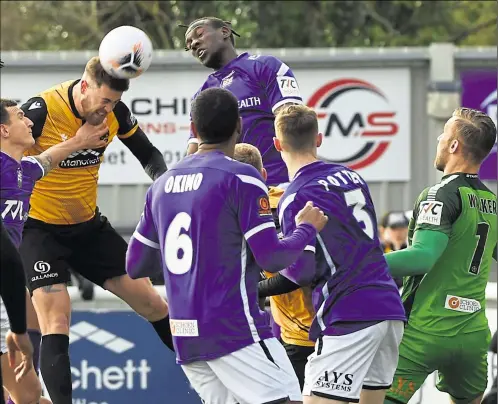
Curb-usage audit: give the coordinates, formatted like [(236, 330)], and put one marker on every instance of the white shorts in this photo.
[(343, 365), (4, 326), (257, 374)]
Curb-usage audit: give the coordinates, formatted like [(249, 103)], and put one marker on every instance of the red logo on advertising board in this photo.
[(357, 122)]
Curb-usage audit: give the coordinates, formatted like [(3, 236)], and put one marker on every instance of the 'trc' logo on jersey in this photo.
[(357, 122)]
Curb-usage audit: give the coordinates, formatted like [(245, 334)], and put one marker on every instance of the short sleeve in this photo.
[(127, 122), (279, 82), (437, 209), (36, 110), (146, 231), (32, 168), (250, 195)]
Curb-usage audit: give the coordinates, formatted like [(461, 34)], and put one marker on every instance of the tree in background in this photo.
[(79, 25)]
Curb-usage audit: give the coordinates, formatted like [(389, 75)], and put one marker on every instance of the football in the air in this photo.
[(125, 52)]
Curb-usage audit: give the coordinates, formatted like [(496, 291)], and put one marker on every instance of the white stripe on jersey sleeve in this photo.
[(286, 101), (310, 248), (31, 159), (244, 296), (145, 240), (283, 69), (258, 228), (285, 203), (254, 181)]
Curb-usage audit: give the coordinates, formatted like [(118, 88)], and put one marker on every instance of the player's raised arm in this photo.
[(433, 216), (87, 137), (138, 143), (143, 257), (255, 219)]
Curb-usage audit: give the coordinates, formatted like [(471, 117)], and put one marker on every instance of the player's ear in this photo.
[(319, 139), (226, 32), (4, 131), (264, 174), (454, 146), (277, 144), (84, 86), (193, 129)]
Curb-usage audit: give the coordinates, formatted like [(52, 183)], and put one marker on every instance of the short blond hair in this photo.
[(477, 132), (96, 72), (248, 154), (297, 126)]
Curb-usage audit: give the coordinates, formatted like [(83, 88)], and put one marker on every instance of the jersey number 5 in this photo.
[(482, 236), (178, 245), (356, 199)]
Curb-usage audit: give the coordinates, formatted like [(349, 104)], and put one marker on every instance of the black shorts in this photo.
[(298, 356), (93, 249)]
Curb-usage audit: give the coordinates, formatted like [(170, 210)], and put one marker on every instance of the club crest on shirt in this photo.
[(227, 80), (19, 178), (264, 206)]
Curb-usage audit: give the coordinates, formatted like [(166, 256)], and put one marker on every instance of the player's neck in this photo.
[(227, 57), (453, 167), (297, 161), (12, 151), (226, 149), (77, 99)]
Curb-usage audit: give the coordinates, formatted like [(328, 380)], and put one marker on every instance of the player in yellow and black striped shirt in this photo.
[(65, 228)]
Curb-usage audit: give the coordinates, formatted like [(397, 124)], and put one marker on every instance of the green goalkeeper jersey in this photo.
[(451, 298)]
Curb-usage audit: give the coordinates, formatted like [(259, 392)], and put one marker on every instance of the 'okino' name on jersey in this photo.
[(430, 212), (83, 158), (483, 205), (183, 183)]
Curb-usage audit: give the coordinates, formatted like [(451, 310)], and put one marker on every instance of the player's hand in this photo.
[(93, 137), (312, 215), (19, 343)]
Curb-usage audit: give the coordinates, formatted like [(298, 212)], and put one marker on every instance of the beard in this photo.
[(440, 161), (93, 117)]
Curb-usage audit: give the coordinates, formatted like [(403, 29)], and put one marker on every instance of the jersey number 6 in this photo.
[(179, 250)]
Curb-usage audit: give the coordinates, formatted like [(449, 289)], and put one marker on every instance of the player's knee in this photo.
[(28, 394)]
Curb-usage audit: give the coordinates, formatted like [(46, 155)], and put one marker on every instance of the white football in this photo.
[(125, 52)]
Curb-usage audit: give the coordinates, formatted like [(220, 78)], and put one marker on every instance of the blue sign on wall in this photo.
[(117, 358)]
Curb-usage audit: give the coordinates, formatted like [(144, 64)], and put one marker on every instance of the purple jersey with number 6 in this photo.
[(199, 214), (354, 286), (16, 185), (261, 85)]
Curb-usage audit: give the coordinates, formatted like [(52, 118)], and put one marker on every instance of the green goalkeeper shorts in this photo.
[(461, 362)]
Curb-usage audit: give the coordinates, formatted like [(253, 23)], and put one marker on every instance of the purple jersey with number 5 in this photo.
[(199, 215), (261, 85), (16, 185), (354, 285)]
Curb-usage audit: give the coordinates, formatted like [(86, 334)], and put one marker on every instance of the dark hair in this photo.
[(215, 22), (298, 126), (215, 114), (477, 132), (96, 71), (4, 114)]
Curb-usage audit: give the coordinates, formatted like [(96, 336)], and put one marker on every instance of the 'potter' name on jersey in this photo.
[(250, 102), (343, 177)]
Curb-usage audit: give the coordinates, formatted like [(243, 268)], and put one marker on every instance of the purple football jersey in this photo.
[(200, 214), (261, 84), (353, 285), (16, 186)]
